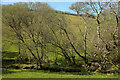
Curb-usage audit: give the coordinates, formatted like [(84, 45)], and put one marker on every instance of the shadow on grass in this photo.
[(7, 54), (9, 59), (61, 72), (8, 71)]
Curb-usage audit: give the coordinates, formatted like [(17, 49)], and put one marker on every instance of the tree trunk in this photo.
[(66, 56), (73, 58), (73, 45), (19, 48), (98, 28), (85, 44)]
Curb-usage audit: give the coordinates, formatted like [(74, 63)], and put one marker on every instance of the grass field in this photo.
[(13, 73)]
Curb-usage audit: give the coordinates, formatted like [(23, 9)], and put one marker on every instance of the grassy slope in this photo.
[(74, 20), (8, 35)]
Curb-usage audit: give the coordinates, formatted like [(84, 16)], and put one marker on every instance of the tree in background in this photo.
[(30, 27), (50, 39), (104, 45)]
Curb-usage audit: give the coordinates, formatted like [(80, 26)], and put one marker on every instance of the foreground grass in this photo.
[(12, 73)]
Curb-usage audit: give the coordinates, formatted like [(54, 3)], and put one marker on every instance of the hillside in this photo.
[(11, 49), (38, 39), (8, 35)]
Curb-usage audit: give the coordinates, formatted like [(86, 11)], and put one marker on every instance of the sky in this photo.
[(60, 6)]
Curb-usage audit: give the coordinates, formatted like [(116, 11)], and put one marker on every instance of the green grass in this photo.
[(12, 50), (12, 73), (9, 55)]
